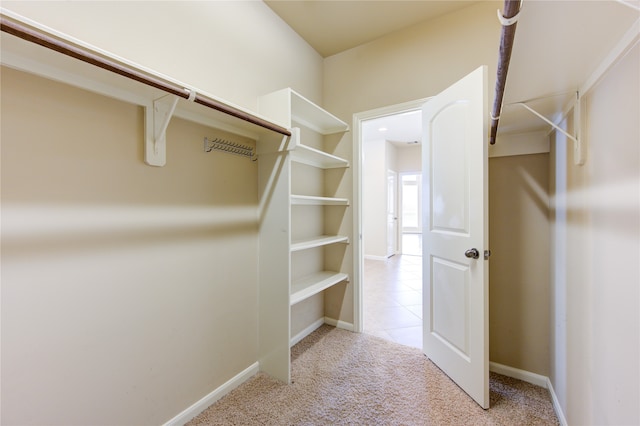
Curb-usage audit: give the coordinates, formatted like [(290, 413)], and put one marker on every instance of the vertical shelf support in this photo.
[(580, 142), (157, 117)]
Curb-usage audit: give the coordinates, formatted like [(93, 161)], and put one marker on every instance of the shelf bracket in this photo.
[(157, 117), (579, 147)]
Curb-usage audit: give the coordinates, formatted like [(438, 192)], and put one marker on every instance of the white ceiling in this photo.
[(332, 26), (401, 129), (557, 47)]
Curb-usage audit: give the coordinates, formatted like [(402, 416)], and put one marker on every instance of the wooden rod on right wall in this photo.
[(511, 9)]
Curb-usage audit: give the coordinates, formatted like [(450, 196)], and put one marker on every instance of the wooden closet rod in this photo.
[(511, 10), (43, 39)]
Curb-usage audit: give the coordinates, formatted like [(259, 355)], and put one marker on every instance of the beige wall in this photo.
[(374, 199), (125, 295), (596, 229), (414, 63), (130, 292), (519, 267), (409, 158)]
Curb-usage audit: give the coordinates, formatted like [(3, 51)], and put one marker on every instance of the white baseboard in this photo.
[(533, 378), (218, 393), (317, 324), (307, 331), (516, 373), (339, 324), (556, 404), (372, 257)]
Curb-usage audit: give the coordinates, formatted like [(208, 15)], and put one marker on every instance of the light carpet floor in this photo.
[(345, 378)]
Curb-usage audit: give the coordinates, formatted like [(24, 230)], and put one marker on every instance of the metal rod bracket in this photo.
[(505, 22)]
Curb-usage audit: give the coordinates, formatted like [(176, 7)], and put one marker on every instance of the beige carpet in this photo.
[(343, 378)]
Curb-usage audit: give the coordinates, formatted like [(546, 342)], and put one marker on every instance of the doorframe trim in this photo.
[(358, 257), (398, 232)]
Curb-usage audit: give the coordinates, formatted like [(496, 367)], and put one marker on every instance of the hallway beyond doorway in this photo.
[(393, 298), (412, 244)]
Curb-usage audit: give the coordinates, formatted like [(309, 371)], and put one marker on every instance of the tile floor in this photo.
[(393, 295)]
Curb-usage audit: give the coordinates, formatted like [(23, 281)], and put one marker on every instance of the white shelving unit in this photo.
[(296, 235)]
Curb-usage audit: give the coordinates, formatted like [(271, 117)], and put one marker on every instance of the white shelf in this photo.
[(289, 108), (310, 285), (310, 115), (316, 158), (308, 200), (320, 241)]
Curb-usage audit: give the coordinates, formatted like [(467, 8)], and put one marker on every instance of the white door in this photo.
[(392, 213), (455, 229)]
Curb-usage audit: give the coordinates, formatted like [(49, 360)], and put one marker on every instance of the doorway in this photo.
[(389, 297)]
